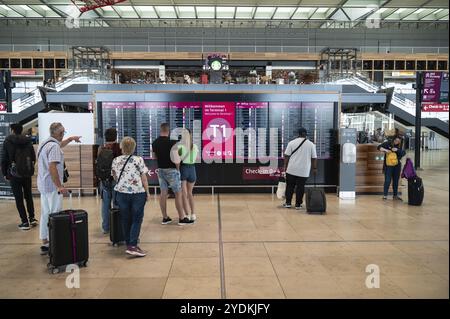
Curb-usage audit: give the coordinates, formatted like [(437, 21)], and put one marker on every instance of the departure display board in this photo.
[(285, 117), (218, 122), (213, 126), (251, 116), (317, 118), (120, 115), (186, 115), (149, 117)]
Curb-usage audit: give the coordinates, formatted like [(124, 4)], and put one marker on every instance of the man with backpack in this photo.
[(106, 154), (18, 167)]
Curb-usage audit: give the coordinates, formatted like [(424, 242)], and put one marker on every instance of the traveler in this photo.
[(130, 173), (106, 154), (50, 177), (166, 154), (188, 152), (392, 166), (18, 167), (298, 156)]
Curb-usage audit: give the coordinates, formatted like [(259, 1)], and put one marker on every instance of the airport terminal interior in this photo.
[(235, 107)]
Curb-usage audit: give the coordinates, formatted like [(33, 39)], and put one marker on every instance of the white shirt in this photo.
[(300, 162)]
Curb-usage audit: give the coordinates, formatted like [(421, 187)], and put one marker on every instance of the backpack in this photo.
[(22, 164), (391, 159), (104, 163), (408, 170)]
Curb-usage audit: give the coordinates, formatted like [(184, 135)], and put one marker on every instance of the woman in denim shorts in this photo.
[(188, 152)]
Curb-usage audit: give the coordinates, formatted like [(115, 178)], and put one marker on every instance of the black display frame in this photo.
[(214, 174)]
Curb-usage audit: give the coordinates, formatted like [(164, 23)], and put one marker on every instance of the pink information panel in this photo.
[(183, 105), (118, 105), (218, 130)]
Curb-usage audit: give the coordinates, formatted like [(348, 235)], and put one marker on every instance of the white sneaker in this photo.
[(193, 217)]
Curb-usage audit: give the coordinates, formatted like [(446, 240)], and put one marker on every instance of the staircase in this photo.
[(401, 107), (27, 108)]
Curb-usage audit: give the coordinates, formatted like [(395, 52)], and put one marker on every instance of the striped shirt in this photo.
[(49, 153)]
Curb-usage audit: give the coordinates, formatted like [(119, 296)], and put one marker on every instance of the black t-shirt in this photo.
[(161, 147)]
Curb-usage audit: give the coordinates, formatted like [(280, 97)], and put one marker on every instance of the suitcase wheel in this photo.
[(53, 270), (85, 264)]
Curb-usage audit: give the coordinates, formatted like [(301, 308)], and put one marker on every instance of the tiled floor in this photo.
[(251, 248)]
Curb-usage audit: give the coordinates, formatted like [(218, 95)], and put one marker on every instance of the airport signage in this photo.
[(432, 107), (23, 72)]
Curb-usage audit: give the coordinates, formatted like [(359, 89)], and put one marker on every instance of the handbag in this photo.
[(281, 188)]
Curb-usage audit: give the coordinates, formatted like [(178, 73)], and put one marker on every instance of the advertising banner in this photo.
[(218, 123), (23, 72)]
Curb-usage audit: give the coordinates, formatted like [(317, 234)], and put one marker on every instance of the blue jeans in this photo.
[(169, 177), (107, 197), (188, 173), (391, 173), (131, 208)]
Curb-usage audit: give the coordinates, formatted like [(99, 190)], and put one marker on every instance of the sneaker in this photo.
[(193, 217), (24, 226), (384, 197), (298, 207), (285, 205), (185, 221), (44, 250), (105, 232), (33, 222), (135, 251), (397, 198), (166, 220)]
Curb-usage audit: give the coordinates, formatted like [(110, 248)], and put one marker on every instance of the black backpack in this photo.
[(104, 163), (22, 164)]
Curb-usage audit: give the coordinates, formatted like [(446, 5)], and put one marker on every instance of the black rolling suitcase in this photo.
[(115, 227), (316, 202), (415, 191), (68, 238)]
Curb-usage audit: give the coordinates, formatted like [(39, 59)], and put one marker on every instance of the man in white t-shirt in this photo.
[(297, 165)]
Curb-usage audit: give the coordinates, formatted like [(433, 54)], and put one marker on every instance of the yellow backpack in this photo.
[(391, 159)]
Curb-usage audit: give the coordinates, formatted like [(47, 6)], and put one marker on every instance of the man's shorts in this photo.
[(169, 177)]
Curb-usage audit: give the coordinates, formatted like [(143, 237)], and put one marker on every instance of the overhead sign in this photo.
[(2, 106), (23, 72), (435, 87), (431, 107)]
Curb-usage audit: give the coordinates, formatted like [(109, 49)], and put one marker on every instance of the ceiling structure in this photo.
[(235, 13)]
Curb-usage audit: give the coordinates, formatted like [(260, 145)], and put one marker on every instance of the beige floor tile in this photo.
[(248, 266), (317, 286), (344, 265), (355, 287), (146, 267), (195, 267), (398, 265), (194, 250), (129, 288), (192, 288), (253, 288), (438, 264), (244, 250), (420, 248), (422, 286), (294, 266), (374, 249)]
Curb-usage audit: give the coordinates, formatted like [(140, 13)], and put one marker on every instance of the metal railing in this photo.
[(283, 46), (68, 79), (398, 99)]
